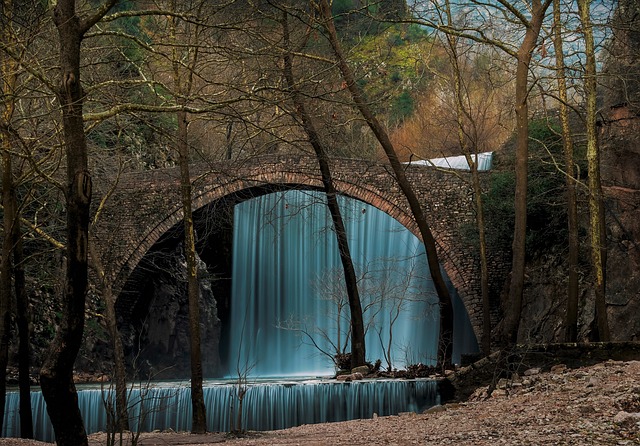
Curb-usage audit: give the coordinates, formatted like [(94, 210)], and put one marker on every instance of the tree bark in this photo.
[(6, 269), (445, 347), (56, 374), (7, 87), (182, 85), (571, 318), (22, 321), (513, 307), (597, 229), (358, 346), (485, 340), (12, 246), (120, 375), (199, 422)]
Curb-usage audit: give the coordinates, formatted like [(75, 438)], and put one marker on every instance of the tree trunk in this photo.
[(513, 307), (484, 267), (56, 374), (571, 319), (358, 347), (12, 244), (120, 375), (24, 346), (183, 81), (199, 423), (597, 229), (445, 347), (6, 269), (7, 87), (461, 113)]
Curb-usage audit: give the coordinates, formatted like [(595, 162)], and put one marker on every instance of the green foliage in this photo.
[(415, 33), (138, 137), (355, 18), (546, 209), (401, 107), (389, 58), (546, 203), (342, 6), (395, 40), (499, 213), (349, 21), (389, 66), (129, 56)]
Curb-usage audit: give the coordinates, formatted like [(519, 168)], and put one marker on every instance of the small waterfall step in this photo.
[(265, 406)]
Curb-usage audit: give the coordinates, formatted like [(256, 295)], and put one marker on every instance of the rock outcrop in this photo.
[(159, 345)]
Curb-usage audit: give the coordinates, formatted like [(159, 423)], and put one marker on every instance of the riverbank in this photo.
[(593, 405)]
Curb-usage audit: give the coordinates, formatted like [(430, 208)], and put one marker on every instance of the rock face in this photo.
[(619, 97), (160, 345), (544, 301), (621, 176)]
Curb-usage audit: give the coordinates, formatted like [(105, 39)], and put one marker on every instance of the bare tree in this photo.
[(393, 293), (390, 295), (331, 342), (5, 296), (464, 115), (183, 62), (571, 321), (446, 306), (16, 173), (513, 307), (597, 228), (120, 376), (23, 317), (8, 70), (358, 348), (56, 373)]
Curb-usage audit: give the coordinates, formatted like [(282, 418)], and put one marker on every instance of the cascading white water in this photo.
[(266, 406), (289, 301)]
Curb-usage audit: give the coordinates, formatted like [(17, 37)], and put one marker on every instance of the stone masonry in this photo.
[(144, 206)]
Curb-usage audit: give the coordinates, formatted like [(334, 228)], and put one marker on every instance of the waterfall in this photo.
[(289, 304), (289, 312), (266, 406)]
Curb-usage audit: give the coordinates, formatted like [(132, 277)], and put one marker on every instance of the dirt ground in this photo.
[(597, 405)]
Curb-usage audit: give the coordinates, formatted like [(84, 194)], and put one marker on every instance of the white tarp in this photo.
[(458, 162)]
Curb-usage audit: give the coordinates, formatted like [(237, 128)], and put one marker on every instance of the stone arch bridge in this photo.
[(145, 206)]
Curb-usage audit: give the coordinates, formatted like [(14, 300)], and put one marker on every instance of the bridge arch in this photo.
[(445, 198)]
